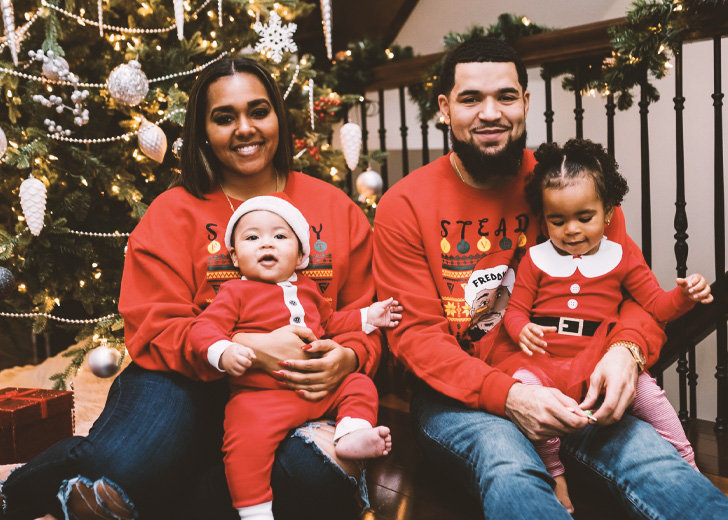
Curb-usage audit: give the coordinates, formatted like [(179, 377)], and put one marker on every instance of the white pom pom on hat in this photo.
[(279, 205)]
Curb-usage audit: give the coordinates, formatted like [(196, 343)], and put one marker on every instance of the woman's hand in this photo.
[(271, 348), (328, 364)]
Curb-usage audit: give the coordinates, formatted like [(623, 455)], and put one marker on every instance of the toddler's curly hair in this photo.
[(559, 166)]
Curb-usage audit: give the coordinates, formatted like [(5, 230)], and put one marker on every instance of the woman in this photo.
[(158, 439)]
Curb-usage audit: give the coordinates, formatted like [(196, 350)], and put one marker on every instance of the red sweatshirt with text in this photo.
[(176, 261), (435, 239)]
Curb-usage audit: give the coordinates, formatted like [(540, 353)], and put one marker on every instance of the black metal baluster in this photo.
[(578, 110), (383, 142), (692, 383), (681, 220), (548, 113), (445, 139), (645, 168), (364, 130), (403, 131), (721, 421), (611, 107), (424, 127)]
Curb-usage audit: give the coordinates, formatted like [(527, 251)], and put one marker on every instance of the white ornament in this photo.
[(104, 361), (9, 23), (33, 202), (275, 39), (350, 135), (326, 22), (3, 143), (179, 18), (177, 147), (55, 68), (369, 184), (128, 84), (152, 141)]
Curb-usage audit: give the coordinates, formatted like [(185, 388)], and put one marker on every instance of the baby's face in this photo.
[(575, 216), (265, 247)]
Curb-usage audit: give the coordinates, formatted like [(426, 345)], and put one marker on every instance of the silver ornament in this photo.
[(350, 135), (33, 202), (128, 84), (177, 147), (104, 361), (179, 18), (55, 68), (7, 283), (152, 141), (9, 23), (369, 183), (326, 23), (3, 143)]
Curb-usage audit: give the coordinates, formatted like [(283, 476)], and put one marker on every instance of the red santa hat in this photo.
[(280, 205)]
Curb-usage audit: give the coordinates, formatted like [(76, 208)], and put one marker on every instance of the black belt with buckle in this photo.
[(568, 326)]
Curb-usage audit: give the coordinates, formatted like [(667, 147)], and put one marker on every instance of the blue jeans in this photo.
[(158, 439), (498, 465)]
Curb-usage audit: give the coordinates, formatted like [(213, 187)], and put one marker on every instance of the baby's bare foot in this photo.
[(562, 493), (366, 443)]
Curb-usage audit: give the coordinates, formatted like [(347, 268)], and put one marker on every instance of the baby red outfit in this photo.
[(580, 295), (261, 412)]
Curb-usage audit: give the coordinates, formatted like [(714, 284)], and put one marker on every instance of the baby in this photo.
[(268, 240), (568, 290)]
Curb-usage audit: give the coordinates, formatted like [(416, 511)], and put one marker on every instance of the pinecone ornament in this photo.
[(3, 143), (350, 135), (152, 141), (33, 202)]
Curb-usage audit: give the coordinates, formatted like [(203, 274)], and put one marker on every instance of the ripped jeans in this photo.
[(158, 439)]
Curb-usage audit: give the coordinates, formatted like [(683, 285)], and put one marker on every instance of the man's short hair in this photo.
[(478, 50)]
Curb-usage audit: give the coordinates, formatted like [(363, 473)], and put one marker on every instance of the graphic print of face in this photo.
[(488, 292)]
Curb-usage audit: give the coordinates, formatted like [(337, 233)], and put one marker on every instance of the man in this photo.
[(465, 213)]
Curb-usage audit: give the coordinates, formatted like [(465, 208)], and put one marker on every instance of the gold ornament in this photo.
[(483, 245), (445, 246)]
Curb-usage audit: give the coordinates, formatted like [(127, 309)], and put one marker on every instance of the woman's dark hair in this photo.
[(478, 50), (200, 168), (558, 167)]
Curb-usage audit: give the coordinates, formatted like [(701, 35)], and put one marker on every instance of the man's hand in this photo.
[(541, 412), (386, 313), (236, 359), (531, 340), (616, 377)]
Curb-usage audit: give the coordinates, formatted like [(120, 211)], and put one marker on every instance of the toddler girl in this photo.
[(271, 240), (568, 290)]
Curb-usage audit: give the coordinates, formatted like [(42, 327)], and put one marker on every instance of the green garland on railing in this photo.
[(644, 45), (352, 69)]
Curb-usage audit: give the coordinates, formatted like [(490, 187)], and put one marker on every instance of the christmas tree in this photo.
[(93, 99)]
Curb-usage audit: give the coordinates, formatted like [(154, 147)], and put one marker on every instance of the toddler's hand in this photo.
[(696, 287), (385, 313), (530, 339), (236, 359)]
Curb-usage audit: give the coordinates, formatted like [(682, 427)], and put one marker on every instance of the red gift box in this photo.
[(31, 420)]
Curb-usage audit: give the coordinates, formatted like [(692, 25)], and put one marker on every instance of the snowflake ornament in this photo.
[(275, 39)]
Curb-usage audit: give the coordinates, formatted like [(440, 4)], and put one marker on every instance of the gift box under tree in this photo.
[(31, 420)]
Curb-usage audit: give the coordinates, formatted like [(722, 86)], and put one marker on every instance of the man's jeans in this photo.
[(158, 441), (497, 464)]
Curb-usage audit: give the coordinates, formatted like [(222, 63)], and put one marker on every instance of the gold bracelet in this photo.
[(634, 350)]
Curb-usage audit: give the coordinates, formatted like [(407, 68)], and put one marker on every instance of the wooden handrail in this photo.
[(690, 329), (573, 43)]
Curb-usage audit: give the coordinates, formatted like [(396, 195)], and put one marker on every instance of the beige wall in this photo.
[(432, 19)]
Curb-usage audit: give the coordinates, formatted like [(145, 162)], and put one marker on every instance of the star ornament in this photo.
[(275, 39)]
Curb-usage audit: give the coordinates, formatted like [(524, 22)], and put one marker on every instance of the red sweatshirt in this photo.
[(432, 233), (176, 260)]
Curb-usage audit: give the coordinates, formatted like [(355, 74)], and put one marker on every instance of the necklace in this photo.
[(457, 170), (230, 202)]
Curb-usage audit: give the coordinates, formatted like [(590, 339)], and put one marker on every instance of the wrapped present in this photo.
[(31, 420)]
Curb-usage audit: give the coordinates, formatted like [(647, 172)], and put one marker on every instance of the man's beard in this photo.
[(486, 168)]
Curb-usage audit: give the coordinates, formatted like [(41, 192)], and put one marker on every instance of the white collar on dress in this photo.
[(549, 260)]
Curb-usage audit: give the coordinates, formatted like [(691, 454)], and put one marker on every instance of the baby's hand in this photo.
[(236, 359), (531, 338), (696, 288), (385, 313)]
